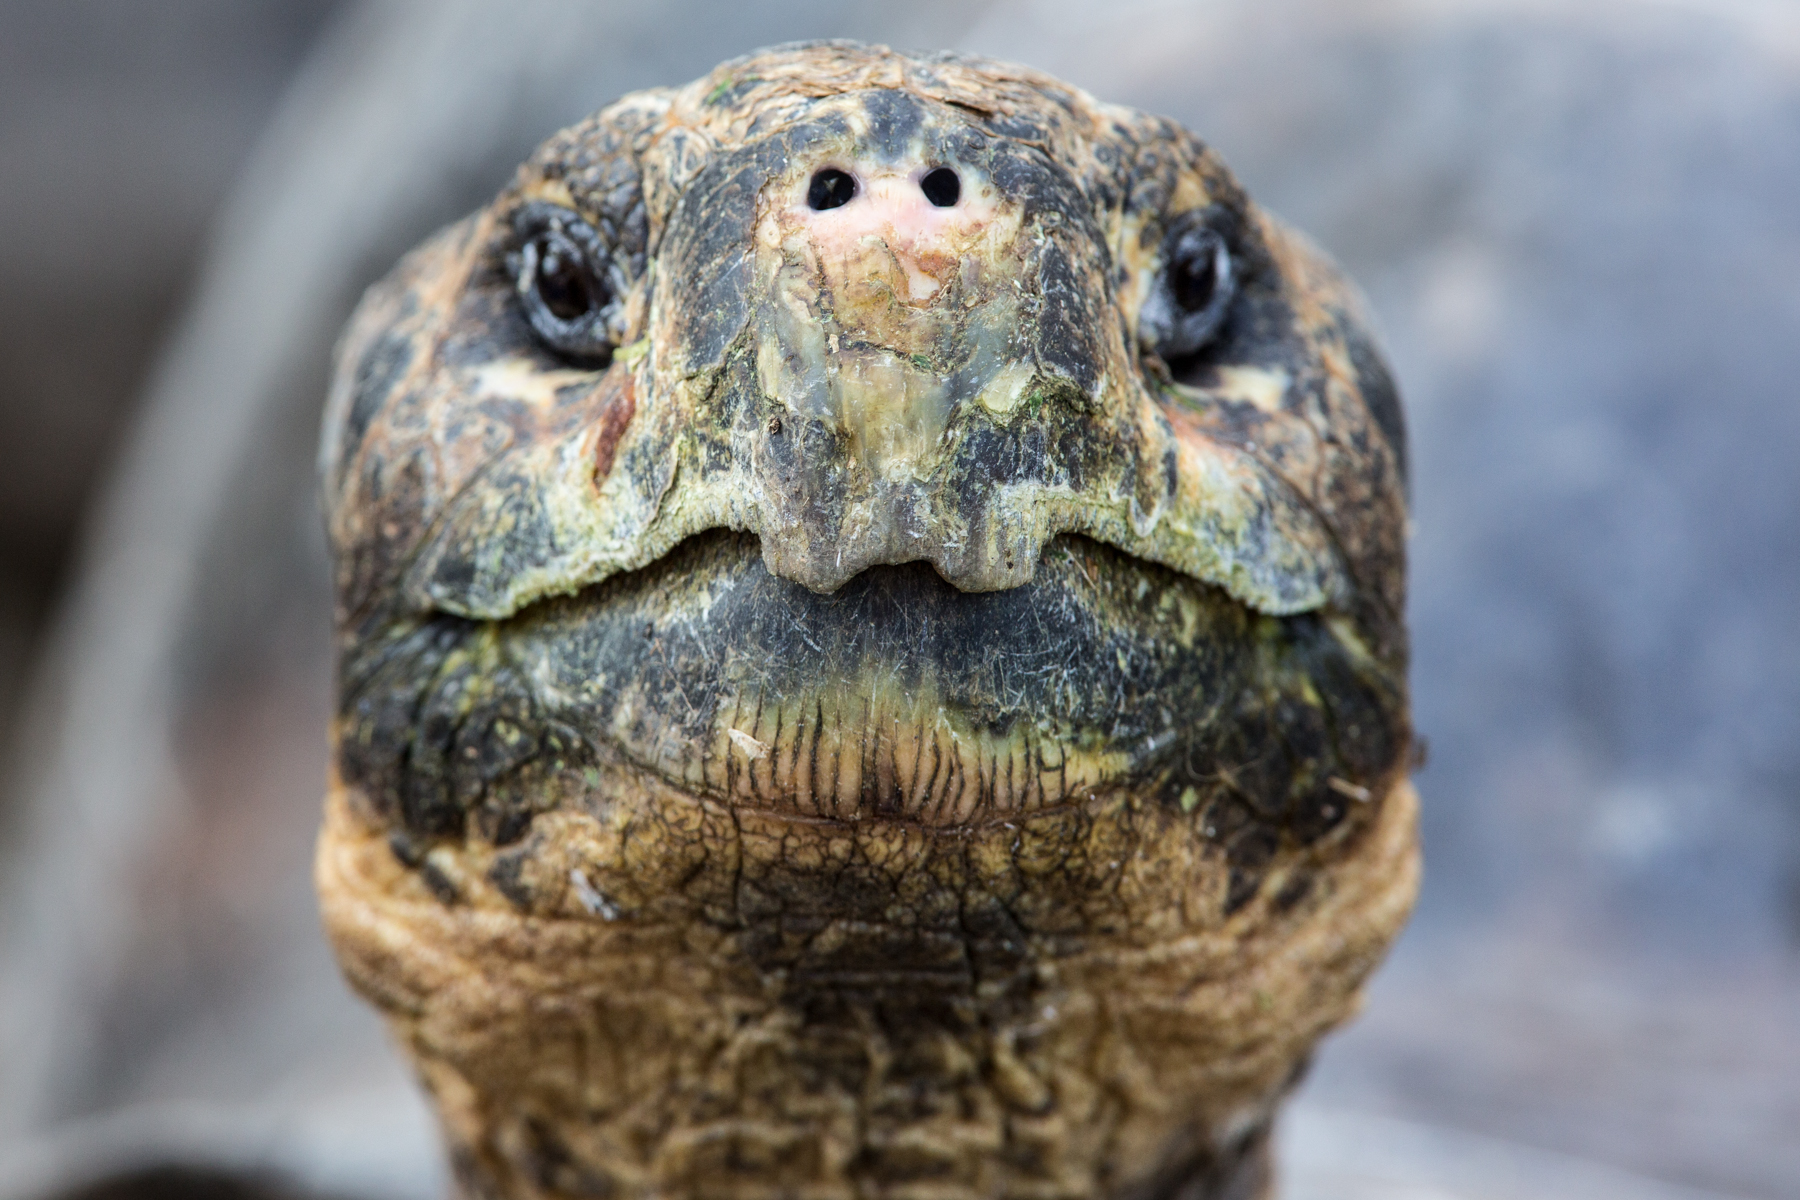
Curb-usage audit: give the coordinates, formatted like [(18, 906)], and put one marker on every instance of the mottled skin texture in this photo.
[(880, 716)]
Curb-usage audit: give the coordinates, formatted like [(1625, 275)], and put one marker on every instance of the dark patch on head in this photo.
[(1070, 314), (1018, 127), (1068, 321), (708, 257), (707, 246), (1044, 190), (1382, 397), (381, 366), (894, 120)]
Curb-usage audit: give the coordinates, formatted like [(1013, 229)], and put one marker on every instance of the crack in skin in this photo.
[(885, 732)]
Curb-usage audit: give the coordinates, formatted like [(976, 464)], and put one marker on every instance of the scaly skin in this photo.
[(876, 714)]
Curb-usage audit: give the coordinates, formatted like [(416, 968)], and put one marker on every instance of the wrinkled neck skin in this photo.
[(886, 723)]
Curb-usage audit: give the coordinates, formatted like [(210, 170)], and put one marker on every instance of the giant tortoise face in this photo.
[(843, 548)]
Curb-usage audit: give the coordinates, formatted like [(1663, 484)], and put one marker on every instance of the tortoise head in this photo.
[(809, 498)]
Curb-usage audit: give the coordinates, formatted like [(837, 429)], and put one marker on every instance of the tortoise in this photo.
[(869, 604)]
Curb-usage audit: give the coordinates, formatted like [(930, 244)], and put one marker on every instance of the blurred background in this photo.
[(1579, 226)]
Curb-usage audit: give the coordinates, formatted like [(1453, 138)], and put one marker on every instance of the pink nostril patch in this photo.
[(862, 223)]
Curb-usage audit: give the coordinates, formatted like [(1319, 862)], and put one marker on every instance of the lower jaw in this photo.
[(899, 698), (662, 994)]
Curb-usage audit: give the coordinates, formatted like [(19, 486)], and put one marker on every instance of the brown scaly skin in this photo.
[(874, 713)]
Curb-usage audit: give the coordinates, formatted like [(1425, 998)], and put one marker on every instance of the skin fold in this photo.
[(844, 693)]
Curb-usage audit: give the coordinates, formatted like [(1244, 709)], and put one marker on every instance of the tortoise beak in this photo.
[(905, 376)]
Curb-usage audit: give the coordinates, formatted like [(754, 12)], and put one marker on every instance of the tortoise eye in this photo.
[(562, 286), (563, 275), (1189, 302), (1199, 267)]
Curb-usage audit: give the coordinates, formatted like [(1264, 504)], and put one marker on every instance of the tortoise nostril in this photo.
[(941, 187), (830, 188)]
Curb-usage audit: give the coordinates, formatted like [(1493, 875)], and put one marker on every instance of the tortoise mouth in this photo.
[(899, 697), (896, 698)]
